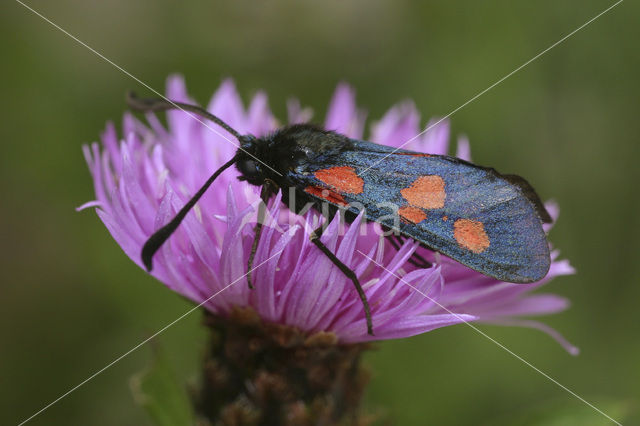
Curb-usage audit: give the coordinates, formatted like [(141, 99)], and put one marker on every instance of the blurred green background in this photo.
[(72, 301)]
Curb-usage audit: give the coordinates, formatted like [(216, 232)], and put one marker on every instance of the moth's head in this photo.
[(247, 164)]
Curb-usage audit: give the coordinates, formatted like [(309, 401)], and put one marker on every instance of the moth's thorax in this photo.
[(273, 156)]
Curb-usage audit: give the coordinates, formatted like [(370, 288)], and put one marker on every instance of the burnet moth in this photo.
[(485, 220)]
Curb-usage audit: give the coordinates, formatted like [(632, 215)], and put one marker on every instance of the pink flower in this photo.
[(142, 180)]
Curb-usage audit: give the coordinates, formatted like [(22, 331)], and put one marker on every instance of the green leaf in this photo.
[(159, 392)]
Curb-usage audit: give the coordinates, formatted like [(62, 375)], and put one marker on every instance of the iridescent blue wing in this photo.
[(478, 217)]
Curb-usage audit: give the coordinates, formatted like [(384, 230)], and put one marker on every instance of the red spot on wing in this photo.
[(343, 179), (412, 214), (445, 218), (326, 194), (426, 192), (470, 234)]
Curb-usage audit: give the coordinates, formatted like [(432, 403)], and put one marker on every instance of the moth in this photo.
[(488, 221)]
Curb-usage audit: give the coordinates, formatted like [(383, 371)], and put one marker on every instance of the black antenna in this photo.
[(160, 236), (160, 104)]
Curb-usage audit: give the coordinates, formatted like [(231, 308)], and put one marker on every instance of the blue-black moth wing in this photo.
[(470, 213)]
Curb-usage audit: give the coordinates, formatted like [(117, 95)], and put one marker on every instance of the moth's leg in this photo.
[(315, 239), (397, 242), (420, 261), (416, 260), (393, 242), (392, 237), (265, 193)]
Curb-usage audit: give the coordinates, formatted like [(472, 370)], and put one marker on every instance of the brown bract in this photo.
[(259, 373)]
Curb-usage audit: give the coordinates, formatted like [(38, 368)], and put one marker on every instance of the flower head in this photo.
[(142, 180)]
